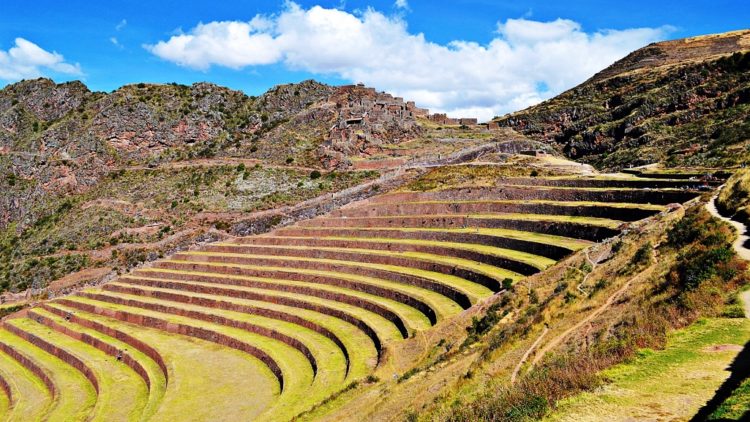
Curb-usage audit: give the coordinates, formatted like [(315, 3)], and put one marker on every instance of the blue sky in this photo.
[(509, 54)]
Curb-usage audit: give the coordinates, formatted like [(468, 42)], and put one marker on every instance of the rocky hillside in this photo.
[(682, 102), (95, 180), (61, 139)]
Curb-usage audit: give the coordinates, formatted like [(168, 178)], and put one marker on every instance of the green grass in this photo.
[(76, 396), (667, 384), (331, 361), (565, 242), (292, 363), (604, 222), (735, 407), (473, 290), (122, 393), (413, 319), (29, 392), (385, 330), (443, 306), (539, 202), (155, 375), (362, 353), (206, 381)]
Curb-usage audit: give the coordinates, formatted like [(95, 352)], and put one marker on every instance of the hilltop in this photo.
[(681, 103)]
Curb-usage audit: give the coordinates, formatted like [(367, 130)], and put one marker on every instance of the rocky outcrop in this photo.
[(679, 102)]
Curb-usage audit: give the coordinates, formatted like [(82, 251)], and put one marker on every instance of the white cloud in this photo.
[(402, 4), (527, 61), (121, 25), (28, 60)]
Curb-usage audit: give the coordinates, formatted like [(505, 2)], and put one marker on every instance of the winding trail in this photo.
[(525, 356), (590, 317), (738, 245)]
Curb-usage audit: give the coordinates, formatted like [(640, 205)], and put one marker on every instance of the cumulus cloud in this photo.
[(526, 62), (402, 4), (28, 60)]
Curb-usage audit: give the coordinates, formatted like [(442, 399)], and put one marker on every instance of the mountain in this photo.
[(682, 102)]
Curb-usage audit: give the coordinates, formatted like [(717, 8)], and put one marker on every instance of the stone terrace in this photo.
[(267, 326)]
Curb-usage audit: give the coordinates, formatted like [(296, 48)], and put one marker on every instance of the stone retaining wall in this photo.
[(195, 264), (251, 295), (94, 342), (207, 317), (304, 290), (58, 352), (550, 194), (186, 330), (351, 267), (229, 306), (573, 230), (318, 237), (119, 335), (443, 208), (32, 367)]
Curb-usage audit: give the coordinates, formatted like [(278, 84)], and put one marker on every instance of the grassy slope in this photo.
[(30, 394), (664, 384), (194, 365)]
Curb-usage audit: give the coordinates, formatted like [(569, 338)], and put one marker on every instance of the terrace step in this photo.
[(152, 373), (528, 193), (295, 373), (202, 374), (460, 280), (406, 318), (352, 342), (548, 246), (280, 358), (602, 182), (622, 212), (73, 395), (432, 305), (121, 392), (466, 261), (30, 397), (326, 357), (591, 229), (376, 327)]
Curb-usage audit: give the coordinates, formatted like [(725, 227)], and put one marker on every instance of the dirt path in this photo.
[(742, 235), (525, 356), (590, 317), (738, 245)]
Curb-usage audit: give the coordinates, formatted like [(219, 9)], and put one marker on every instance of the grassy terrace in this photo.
[(473, 290), (384, 329), (75, 395), (528, 258), (205, 378), (30, 395), (364, 232), (329, 359), (298, 374), (412, 318), (352, 221), (442, 306), (361, 351), (157, 381), (122, 393), (547, 202), (537, 261)]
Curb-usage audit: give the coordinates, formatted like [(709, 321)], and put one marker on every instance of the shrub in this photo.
[(315, 174), (289, 160), (507, 283)]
